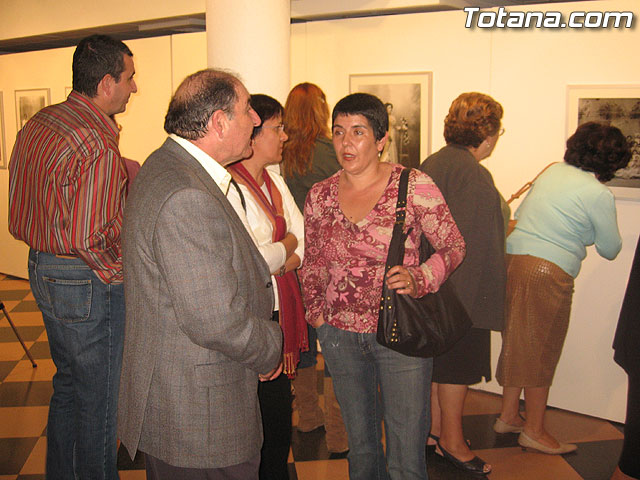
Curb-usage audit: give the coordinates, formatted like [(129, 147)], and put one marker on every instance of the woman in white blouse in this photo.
[(263, 201)]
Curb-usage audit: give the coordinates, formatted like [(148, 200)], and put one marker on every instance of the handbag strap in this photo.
[(395, 256), (527, 185), (401, 205)]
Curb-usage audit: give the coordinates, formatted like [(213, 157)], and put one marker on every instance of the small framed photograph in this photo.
[(29, 102), (407, 97), (618, 106), (3, 149)]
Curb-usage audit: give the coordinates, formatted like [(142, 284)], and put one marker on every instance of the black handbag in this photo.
[(418, 327)]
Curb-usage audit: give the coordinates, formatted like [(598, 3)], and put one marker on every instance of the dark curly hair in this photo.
[(598, 148), (472, 118)]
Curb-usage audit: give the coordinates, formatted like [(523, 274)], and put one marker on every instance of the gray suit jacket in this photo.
[(198, 306)]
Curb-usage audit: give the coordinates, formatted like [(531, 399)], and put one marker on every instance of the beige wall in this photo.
[(25, 71), (527, 71), (160, 64), (23, 18)]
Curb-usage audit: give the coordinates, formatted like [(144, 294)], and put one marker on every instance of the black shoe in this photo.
[(431, 449), (338, 455), (474, 466)]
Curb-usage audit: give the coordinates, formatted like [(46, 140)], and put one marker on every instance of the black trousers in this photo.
[(630, 458), (275, 407)]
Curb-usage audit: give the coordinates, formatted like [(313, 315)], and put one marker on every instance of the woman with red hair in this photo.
[(309, 158)]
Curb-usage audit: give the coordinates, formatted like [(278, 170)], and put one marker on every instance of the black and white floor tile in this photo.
[(25, 393)]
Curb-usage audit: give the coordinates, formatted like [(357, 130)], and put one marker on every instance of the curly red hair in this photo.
[(472, 118), (306, 117)]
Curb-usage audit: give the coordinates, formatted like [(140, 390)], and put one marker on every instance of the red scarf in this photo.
[(292, 322)]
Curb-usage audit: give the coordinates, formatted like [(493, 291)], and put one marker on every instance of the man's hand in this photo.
[(273, 374)]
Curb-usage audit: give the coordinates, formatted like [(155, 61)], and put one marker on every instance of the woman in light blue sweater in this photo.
[(567, 209)]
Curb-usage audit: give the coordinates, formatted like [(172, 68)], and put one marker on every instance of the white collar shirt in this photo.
[(217, 172)]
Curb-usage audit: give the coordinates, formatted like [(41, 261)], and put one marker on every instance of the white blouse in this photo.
[(260, 228)]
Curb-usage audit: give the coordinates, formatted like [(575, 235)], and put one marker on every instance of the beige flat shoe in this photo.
[(503, 427), (525, 441)]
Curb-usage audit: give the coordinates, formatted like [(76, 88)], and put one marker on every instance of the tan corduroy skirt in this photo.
[(538, 305)]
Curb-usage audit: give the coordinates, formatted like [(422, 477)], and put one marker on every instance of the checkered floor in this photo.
[(25, 393)]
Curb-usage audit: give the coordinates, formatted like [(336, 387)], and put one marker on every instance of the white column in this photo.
[(251, 38)]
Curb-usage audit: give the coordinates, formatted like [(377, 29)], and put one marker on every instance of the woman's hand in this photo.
[(401, 280), (292, 262), (290, 243), (318, 322)]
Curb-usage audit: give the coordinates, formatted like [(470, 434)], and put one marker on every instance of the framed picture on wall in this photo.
[(616, 105), (29, 102), (3, 149), (407, 97)]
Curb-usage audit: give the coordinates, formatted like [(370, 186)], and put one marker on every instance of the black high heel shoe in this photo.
[(432, 448), (474, 466)]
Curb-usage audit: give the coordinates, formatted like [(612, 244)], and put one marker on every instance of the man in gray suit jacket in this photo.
[(198, 296)]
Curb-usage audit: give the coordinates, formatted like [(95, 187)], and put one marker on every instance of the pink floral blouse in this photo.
[(344, 262)]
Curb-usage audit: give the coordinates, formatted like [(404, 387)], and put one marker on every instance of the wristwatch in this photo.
[(283, 270)]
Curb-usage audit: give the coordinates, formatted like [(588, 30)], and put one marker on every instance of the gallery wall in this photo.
[(24, 18), (527, 71), (141, 123)]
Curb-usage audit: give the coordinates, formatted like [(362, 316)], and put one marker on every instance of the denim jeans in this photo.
[(84, 319), (359, 367)]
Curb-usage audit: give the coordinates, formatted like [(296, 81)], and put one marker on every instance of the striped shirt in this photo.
[(67, 185)]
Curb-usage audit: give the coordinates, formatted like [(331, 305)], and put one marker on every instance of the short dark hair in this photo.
[(196, 99), (369, 106), (94, 57), (471, 119), (598, 148), (266, 107)]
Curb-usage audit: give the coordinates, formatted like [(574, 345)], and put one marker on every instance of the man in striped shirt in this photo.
[(67, 187)]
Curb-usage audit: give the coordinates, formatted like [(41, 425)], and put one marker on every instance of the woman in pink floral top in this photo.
[(348, 223)]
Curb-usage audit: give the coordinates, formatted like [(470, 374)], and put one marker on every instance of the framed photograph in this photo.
[(3, 149), (29, 102), (616, 105), (407, 97)]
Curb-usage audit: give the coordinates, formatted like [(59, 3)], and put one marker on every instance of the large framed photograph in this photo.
[(3, 149), (407, 97), (29, 102), (616, 105)]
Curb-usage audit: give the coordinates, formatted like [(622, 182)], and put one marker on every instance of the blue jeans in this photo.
[(359, 367), (84, 319)]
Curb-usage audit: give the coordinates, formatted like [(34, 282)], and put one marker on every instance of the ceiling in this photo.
[(196, 23)]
